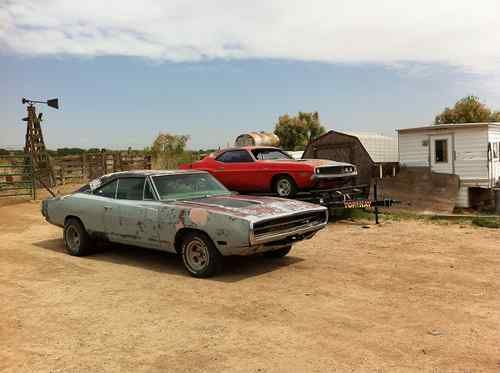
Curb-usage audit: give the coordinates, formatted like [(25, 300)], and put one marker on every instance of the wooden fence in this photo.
[(79, 168), (76, 168), (16, 176)]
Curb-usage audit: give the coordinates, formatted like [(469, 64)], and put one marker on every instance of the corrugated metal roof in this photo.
[(380, 147)]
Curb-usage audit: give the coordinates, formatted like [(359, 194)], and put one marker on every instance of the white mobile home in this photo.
[(469, 150)]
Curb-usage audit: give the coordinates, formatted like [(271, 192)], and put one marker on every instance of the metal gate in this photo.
[(16, 176)]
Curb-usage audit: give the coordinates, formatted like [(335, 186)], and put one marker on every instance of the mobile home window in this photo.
[(441, 151)]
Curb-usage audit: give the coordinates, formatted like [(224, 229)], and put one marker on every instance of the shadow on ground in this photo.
[(236, 268)]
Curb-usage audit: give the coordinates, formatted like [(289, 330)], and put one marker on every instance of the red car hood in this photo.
[(309, 162)]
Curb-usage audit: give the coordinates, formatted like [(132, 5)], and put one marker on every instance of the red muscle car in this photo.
[(269, 169)]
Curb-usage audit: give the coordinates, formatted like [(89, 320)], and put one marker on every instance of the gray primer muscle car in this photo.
[(185, 212)]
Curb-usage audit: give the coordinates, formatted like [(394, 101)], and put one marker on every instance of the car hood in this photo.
[(310, 162), (251, 208)]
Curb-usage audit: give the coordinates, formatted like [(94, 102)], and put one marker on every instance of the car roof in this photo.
[(105, 179), (143, 173), (248, 148)]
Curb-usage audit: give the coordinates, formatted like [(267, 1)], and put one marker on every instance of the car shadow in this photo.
[(236, 268)]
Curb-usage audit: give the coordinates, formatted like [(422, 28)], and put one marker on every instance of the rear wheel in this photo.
[(284, 186), (200, 256), (76, 238), (280, 253)]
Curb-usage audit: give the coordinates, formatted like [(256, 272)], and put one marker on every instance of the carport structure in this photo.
[(374, 155)]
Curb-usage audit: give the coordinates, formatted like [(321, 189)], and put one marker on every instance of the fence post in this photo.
[(84, 167), (32, 173), (62, 171)]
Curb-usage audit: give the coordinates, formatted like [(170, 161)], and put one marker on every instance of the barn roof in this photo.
[(381, 148)]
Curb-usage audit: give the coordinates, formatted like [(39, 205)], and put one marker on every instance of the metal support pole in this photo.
[(375, 199)]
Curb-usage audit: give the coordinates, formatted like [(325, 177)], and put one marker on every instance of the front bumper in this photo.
[(334, 176), (287, 235), (262, 248)]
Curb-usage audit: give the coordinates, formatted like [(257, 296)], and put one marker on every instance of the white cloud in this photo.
[(457, 33)]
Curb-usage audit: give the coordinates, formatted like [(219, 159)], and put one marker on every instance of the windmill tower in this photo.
[(35, 145)]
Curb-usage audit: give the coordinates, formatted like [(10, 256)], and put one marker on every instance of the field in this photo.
[(402, 296)]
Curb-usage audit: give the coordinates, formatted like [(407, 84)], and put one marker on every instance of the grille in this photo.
[(288, 224), (334, 170)]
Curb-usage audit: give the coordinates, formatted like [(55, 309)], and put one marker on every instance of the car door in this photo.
[(236, 170), (106, 207), (135, 220)]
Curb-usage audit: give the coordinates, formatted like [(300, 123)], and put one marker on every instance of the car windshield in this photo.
[(188, 186), (269, 154)]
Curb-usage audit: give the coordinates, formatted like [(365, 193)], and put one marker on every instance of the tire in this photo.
[(76, 238), (284, 186), (280, 253), (200, 256)]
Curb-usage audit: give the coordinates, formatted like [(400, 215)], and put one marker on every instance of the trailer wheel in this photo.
[(284, 186)]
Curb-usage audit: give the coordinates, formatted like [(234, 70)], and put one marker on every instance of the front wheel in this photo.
[(201, 258), (284, 186), (280, 253)]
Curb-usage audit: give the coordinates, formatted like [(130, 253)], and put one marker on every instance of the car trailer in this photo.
[(349, 197)]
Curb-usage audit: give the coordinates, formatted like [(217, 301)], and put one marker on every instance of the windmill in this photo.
[(35, 145)]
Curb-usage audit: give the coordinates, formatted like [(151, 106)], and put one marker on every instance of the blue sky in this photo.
[(124, 82)]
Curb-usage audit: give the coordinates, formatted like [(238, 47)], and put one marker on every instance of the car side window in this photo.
[(108, 190), (148, 192), (235, 156), (130, 188)]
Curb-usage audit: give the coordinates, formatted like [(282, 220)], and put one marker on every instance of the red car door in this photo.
[(237, 170)]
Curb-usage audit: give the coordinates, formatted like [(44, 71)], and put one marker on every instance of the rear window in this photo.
[(235, 156), (130, 188), (108, 190), (84, 189)]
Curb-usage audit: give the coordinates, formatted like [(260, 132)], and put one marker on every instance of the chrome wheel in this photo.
[(284, 187), (73, 239), (196, 256)]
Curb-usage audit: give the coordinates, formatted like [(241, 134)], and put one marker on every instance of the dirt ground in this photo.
[(404, 296)]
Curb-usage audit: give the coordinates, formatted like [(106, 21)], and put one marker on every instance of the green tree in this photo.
[(467, 110), (495, 117), (295, 132), (168, 150)]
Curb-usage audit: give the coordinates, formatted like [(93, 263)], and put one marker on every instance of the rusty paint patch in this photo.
[(180, 223), (199, 216)]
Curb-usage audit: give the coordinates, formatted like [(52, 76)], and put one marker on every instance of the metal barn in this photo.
[(469, 150), (374, 155)]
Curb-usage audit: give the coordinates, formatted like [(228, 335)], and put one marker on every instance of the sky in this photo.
[(126, 70)]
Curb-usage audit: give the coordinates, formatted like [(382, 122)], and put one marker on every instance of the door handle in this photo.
[(107, 208)]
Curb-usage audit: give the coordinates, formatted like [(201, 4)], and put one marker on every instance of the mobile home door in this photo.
[(441, 154)]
